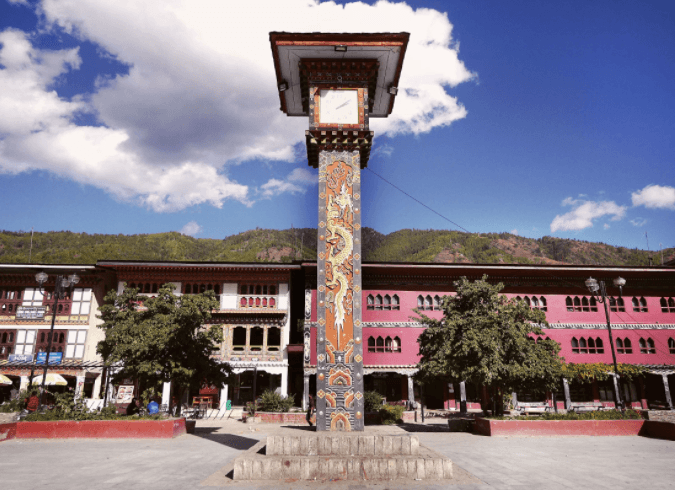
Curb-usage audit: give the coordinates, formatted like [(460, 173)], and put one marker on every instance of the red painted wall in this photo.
[(559, 427), (7, 431), (108, 429)]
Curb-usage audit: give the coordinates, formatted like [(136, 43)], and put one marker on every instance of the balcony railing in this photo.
[(257, 301)]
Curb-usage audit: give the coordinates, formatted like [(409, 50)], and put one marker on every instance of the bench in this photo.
[(579, 407), (531, 407)]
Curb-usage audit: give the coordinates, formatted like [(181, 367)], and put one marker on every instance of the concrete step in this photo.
[(426, 465), (330, 444)]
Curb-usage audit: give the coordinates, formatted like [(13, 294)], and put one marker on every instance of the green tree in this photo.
[(162, 338), (485, 338)]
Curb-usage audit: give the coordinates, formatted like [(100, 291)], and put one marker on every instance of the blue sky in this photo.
[(538, 118)]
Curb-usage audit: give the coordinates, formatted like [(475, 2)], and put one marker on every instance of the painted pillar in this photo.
[(617, 391), (166, 393), (339, 344), (23, 385), (97, 387), (305, 392), (566, 389), (411, 392), (666, 388), (79, 386), (462, 398)]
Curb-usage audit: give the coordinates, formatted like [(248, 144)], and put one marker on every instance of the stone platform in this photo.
[(342, 457)]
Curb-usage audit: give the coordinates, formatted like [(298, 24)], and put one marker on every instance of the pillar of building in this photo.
[(97, 387), (166, 393), (514, 398), (339, 344), (666, 388), (305, 392), (617, 391), (223, 399), (566, 389), (79, 386), (24, 383), (411, 392), (462, 398), (284, 382)]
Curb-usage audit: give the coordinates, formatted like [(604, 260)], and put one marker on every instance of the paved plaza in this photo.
[(205, 459)]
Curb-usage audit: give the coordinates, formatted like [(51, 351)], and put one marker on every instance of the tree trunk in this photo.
[(179, 401)]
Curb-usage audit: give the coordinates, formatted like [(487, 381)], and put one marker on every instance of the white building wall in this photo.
[(228, 298)]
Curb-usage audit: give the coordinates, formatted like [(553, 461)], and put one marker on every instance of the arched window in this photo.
[(619, 346), (591, 345), (4, 338), (577, 303), (584, 304), (154, 287), (568, 303), (257, 302), (370, 300), (643, 305), (378, 302), (396, 344), (387, 344), (636, 304), (264, 288), (594, 304), (256, 339), (535, 302), (643, 346), (575, 345), (420, 302), (244, 289), (599, 346), (387, 302), (671, 345), (42, 337), (242, 302), (273, 290), (380, 344), (238, 338), (371, 344), (258, 289), (628, 346), (273, 339), (188, 289), (395, 303), (671, 305), (11, 336), (543, 303), (583, 346), (650, 346), (437, 302), (428, 304), (527, 301), (264, 302), (147, 287), (272, 302)]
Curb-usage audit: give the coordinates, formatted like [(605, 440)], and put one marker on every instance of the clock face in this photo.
[(339, 107)]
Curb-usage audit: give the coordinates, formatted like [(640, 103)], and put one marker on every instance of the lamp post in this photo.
[(594, 287), (62, 285)]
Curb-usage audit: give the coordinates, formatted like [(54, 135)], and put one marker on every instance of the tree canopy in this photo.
[(162, 338), (488, 339)]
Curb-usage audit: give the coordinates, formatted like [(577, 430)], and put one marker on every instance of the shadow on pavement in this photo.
[(229, 440), (304, 428), (408, 427)]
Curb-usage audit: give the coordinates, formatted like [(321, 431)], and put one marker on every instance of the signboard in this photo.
[(54, 358), (30, 312), (21, 358), (125, 394)]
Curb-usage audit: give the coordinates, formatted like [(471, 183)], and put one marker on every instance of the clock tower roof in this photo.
[(346, 52)]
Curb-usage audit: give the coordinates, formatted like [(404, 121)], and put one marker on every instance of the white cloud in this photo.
[(192, 228), (638, 222), (606, 226), (655, 197), (296, 182), (584, 213), (383, 149), (200, 92), (514, 231)]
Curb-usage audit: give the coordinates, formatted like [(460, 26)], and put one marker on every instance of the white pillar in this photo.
[(223, 400), (97, 387), (305, 392), (284, 382), (24, 383), (166, 393), (79, 386)]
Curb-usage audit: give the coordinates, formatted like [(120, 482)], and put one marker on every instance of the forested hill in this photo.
[(439, 246)]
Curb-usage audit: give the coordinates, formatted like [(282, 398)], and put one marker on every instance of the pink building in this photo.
[(642, 319)]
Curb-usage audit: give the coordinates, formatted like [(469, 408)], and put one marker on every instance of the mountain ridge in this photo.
[(278, 246)]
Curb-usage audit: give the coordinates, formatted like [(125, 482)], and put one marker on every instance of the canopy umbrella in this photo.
[(4, 380), (53, 379)]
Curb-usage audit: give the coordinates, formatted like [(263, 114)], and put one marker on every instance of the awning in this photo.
[(53, 379), (4, 380)]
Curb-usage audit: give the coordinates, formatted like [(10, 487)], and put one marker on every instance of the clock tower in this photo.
[(338, 81)]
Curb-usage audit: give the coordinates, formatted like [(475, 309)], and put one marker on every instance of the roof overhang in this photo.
[(289, 49)]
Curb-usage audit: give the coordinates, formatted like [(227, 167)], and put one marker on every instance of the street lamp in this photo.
[(62, 285), (594, 287)]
